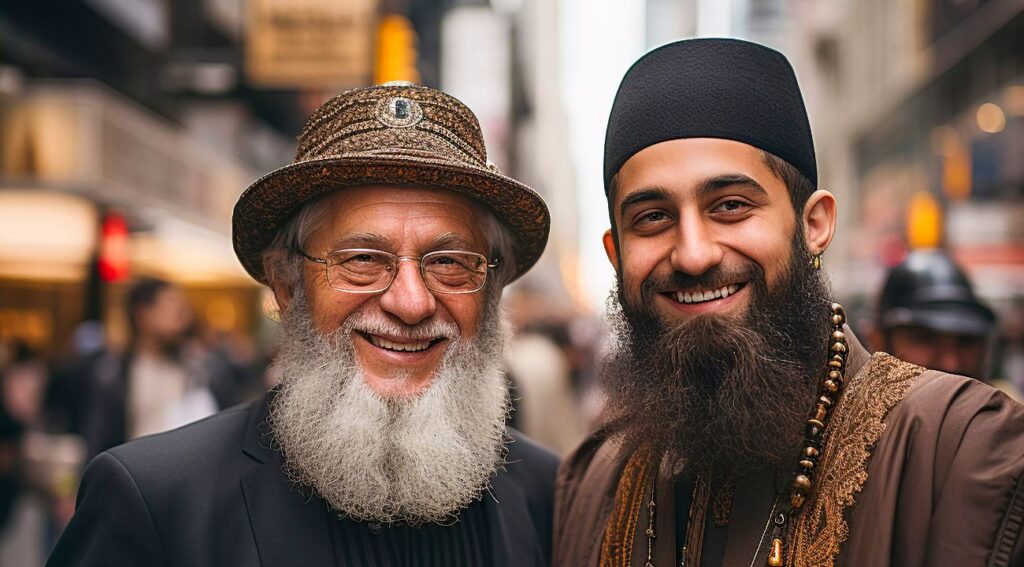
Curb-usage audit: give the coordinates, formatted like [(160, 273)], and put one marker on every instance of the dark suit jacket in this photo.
[(213, 493)]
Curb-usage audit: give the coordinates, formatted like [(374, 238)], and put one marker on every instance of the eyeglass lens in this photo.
[(364, 270)]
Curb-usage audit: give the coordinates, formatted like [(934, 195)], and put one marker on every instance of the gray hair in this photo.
[(283, 263)]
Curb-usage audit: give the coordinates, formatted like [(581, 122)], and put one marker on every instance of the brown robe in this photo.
[(919, 469)]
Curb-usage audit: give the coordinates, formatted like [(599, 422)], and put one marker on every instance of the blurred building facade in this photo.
[(934, 92), (126, 134)]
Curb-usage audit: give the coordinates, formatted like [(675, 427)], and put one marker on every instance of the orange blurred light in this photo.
[(991, 118), (956, 173), (396, 50), (924, 221)]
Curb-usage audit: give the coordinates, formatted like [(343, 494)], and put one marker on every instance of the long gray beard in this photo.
[(375, 459)]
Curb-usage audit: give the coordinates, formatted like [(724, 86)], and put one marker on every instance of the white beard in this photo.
[(416, 460)]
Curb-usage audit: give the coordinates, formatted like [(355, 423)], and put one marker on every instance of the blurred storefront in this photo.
[(71, 152)]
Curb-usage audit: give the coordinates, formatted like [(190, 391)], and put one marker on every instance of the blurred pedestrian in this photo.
[(22, 383), (151, 387), (23, 511), (387, 246), (929, 315), (547, 404), (67, 398)]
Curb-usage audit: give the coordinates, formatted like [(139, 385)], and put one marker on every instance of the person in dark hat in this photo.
[(386, 244), (928, 314), (745, 424)]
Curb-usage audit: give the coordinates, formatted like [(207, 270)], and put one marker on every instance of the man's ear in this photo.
[(610, 249), (819, 219), (273, 265)]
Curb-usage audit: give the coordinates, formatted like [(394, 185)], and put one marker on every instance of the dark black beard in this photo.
[(721, 393)]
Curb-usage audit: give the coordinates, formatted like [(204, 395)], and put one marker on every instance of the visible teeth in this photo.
[(401, 347), (702, 296)]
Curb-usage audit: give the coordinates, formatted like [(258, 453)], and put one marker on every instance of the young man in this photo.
[(387, 244), (746, 425)]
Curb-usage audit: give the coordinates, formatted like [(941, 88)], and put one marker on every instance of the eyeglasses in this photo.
[(364, 270)]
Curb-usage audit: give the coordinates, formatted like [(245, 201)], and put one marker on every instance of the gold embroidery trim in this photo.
[(820, 530), (619, 534)]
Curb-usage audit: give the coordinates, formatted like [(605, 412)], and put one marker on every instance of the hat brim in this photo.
[(267, 205), (960, 319)]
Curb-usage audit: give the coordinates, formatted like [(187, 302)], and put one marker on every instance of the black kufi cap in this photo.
[(710, 88)]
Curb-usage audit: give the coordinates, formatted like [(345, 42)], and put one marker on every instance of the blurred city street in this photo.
[(129, 128)]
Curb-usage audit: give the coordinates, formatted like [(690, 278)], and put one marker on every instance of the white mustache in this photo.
[(426, 331)]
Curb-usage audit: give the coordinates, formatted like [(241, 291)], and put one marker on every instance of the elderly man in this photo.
[(746, 424), (386, 244)]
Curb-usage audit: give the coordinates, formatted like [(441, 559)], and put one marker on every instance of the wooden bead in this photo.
[(775, 555), (814, 432), (820, 411), (835, 375), (811, 452), (831, 386), (825, 401), (802, 483), (838, 320), (838, 336), (838, 347), (797, 500), (838, 364), (807, 464)]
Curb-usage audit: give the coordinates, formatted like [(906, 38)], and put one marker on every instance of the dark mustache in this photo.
[(712, 279)]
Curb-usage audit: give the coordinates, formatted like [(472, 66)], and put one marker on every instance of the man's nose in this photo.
[(408, 297), (950, 359), (695, 250)]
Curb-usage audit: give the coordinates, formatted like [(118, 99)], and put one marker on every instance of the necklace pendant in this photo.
[(775, 555)]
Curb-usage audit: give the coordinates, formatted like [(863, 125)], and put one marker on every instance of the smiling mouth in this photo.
[(704, 295), (400, 346)]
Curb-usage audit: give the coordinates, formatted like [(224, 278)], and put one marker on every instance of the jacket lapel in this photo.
[(290, 528), (513, 539)]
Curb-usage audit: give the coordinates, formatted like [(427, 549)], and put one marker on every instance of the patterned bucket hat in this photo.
[(392, 134)]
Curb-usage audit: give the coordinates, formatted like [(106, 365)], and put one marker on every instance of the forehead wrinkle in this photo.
[(359, 240), (451, 240), (404, 221)]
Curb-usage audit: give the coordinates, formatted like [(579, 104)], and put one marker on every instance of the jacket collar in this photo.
[(292, 527), (514, 541), (858, 355)]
